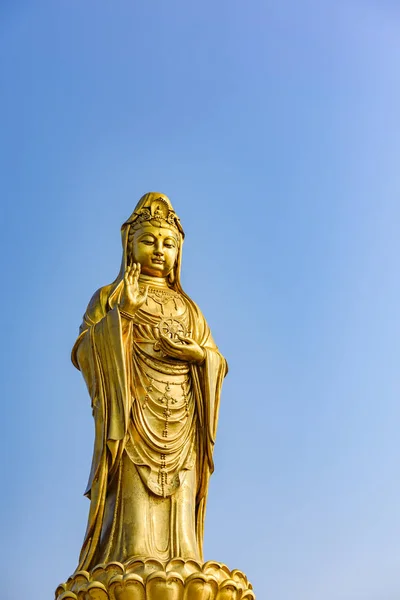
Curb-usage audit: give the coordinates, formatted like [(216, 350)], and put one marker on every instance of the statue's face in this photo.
[(156, 249)]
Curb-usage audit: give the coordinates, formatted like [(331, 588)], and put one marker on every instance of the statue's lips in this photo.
[(157, 261)]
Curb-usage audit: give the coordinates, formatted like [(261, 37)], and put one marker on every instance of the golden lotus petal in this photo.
[(218, 570), (182, 566), (129, 587), (228, 591), (240, 578), (79, 581), (200, 587), (96, 591), (63, 587), (67, 596), (164, 586), (248, 595), (147, 564)]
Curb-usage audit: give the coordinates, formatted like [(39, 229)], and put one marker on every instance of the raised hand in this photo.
[(132, 298), (186, 349)]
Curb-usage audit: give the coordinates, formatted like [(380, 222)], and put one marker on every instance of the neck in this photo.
[(155, 281)]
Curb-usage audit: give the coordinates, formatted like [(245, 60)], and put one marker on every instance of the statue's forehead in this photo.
[(157, 230)]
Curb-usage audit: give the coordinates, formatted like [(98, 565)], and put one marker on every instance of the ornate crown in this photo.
[(158, 210)]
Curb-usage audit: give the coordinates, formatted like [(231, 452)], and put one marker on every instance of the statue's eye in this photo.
[(148, 242)]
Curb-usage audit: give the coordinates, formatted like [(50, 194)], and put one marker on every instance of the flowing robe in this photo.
[(155, 425)]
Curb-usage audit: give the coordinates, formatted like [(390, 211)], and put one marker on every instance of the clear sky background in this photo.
[(274, 127)]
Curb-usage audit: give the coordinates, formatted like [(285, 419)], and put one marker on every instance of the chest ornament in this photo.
[(162, 297)]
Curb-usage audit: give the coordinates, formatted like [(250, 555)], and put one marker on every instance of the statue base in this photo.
[(150, 579)]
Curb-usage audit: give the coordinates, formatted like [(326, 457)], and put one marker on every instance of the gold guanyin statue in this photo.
[(154, 375)]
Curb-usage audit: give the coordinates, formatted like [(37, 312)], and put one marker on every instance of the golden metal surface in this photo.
[(154, 375), (149, 579)]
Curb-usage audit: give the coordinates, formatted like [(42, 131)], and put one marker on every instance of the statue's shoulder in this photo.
[(96, 310), (97, 306)]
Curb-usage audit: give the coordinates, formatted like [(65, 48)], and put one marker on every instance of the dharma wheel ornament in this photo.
[(154, 375)]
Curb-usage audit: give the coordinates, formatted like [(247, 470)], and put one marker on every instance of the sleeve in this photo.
[(102, 354)]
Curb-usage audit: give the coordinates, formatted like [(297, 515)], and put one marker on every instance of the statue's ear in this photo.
[(171, 277)]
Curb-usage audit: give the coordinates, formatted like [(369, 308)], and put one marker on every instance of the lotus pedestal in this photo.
[(150, 579)]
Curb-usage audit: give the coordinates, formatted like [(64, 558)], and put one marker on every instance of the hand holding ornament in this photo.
[(186, 349)]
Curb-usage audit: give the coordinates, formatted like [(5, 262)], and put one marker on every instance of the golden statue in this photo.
[(154, 375)]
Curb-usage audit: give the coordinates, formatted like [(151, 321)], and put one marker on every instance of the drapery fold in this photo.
[(104, 354)]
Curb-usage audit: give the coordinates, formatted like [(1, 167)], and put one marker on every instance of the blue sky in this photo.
[(274, 128)]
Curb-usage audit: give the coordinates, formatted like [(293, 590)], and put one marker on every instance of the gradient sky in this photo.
[(274, 127)]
